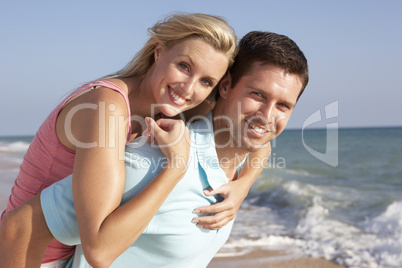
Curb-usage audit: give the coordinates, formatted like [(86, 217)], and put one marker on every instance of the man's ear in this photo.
[(225, 85)]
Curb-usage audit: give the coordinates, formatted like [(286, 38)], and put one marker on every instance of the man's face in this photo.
[(260, 104)]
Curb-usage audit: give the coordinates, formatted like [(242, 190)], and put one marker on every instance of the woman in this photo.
[(176, 70)]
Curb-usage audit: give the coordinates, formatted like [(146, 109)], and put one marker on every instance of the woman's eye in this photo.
[(207, 82), (184, 66)]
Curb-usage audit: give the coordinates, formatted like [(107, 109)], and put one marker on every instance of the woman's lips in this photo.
[(176, 98)]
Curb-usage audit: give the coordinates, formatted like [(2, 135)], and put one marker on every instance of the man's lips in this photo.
[(259, 127)]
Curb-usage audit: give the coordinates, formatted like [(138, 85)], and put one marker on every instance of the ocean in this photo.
[(348, 211), (333, 194)]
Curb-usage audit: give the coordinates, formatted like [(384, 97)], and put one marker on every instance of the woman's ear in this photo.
[(225, 86), (158, 52)]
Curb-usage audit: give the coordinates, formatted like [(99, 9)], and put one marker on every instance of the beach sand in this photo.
[(270, 259)]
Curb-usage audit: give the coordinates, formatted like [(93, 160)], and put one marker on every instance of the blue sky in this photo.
[(354, 49)]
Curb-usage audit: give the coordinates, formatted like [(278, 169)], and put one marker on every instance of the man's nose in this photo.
[(267, 112)]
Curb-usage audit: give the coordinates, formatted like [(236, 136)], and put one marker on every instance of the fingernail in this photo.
[(194, 220), (196, 211)]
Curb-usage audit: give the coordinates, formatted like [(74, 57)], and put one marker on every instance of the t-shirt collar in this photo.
[(204, 142)]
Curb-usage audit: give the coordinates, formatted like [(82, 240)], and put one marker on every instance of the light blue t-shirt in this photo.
[(170, 239)]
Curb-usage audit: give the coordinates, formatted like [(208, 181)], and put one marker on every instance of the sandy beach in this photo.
[(270, 259)]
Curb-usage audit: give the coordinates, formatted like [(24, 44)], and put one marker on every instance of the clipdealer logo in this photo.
[(330, 156)]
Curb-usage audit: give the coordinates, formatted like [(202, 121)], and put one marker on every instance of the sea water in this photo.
[(12, 150), (346, 207), (349, 212)]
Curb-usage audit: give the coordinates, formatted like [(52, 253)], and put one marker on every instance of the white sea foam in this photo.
[(378, 245), (271, 242), (328, 238), (14, 147), (387, 227), (388, 222), (11, 155), (293, 193), (298, 172), (318, 232)]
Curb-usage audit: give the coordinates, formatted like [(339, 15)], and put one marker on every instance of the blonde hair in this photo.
[(213, 30)]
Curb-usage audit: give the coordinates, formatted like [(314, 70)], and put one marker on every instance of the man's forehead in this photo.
[(270, 79)]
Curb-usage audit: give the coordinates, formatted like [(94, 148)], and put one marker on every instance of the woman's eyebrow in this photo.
[(214, 80)]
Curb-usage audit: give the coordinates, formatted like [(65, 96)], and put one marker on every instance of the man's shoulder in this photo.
[(140, 148)]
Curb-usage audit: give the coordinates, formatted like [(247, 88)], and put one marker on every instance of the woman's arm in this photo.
[(99, 175), (125, 224), (88, 125), (98, 181), (24, 234), (233, 192)]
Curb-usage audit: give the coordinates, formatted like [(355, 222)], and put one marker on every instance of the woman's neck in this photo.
[(140, 96)]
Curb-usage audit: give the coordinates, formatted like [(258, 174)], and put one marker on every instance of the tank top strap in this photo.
[(106, 84)]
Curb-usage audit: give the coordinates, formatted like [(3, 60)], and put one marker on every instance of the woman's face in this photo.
[(185, 74)]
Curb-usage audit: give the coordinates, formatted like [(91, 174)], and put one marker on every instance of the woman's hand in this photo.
[(173, 138), (233, 194)]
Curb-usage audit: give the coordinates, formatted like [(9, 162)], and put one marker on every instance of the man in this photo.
[(256, 100)]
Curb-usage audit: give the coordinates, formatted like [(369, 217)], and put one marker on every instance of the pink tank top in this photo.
[(48, 161)]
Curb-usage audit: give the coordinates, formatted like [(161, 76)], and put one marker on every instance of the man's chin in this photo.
[(253, 147)]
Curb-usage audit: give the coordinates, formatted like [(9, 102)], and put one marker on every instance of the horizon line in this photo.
[(286, 129)]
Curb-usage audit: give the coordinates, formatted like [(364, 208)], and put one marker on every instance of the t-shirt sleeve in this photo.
[(58, 208)]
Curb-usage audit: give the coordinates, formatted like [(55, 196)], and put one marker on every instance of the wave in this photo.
[(387, 227), (14, 147), (375, 243), (298, 172), (318, 235), (271, 242), (332, 239), (281, 193), (334, 222)]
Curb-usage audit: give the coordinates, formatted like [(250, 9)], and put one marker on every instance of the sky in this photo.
[(354, 50)]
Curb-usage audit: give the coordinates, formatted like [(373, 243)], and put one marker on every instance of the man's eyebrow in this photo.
[(264, 94), (291, 105)]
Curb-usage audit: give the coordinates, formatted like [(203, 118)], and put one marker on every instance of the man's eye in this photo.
[(258, 94), (284, 105)]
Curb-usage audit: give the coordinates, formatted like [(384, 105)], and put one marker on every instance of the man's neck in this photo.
[(229, 160), (230, 155)]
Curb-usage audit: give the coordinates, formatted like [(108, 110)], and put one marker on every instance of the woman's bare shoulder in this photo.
[(122, 83)]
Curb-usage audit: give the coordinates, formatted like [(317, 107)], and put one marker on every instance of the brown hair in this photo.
[(269, 49)]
